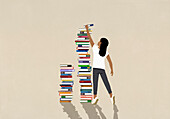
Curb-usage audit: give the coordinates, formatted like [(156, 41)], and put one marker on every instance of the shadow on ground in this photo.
[(115, 109), (91, 111), (69, 108)]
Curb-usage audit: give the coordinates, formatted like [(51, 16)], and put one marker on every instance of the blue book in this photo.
[(85, 79), (85, 67), (81, 50), (83, 61), (66, 87), (66, 74), (85, 91), (67, 81)]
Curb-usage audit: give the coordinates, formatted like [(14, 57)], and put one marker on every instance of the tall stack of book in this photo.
[(67, 82), (84, 72)]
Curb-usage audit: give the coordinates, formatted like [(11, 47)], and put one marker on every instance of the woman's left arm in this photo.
[(110, 63)]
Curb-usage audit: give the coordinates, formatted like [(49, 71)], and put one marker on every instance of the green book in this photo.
[(83, 65), (66, 96), (85, 89), (82, 34)]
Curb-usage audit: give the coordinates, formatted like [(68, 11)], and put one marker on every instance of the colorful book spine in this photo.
[(84, 64), (66, 90)]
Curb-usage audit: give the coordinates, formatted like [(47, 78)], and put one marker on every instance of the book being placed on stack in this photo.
[(67, 82), (84, 72)]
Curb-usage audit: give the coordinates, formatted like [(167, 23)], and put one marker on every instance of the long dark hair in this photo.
[(103, 46)]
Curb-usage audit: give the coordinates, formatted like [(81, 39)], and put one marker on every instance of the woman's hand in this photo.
[(86, 26), (111, 73)]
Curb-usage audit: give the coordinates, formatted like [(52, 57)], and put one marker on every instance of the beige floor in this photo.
[(36, 36)]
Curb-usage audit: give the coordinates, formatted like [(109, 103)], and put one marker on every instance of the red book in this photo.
[(65, 76), (81, 40), (67, 86), (85, 81)]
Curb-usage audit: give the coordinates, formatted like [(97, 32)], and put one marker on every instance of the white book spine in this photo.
[(68, 96), (83, 77), (82, 52), (83, 48), (84, 59), (83, 29), (85, 98), (84, 72), (68, 72), (81, 38), (66, 78), (82, 56), (87, 93), (83, 43), (85, 83), (63, 89), (86, 87), (66, 99), (84, 63), (67, 83)]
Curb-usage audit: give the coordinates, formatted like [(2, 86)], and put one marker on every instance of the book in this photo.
[(82, 34), (65, 65), (90, 98), (86, 93), (82, 41), (61, 76), (85, 83), (84, 29), (65, 101), (66, 70), (66, 96), (84, 72), (83, 65), (86, 87), (66, 87), (85, 101)]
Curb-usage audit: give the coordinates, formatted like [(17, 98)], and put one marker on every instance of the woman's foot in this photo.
[(95, 100), (112, 99)]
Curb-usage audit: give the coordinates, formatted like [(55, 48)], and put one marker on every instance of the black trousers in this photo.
[(96, 72)]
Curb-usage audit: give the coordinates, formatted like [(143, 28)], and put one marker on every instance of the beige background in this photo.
[(37, 35)]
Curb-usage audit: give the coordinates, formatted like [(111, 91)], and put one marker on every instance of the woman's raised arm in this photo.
[(89, 36)]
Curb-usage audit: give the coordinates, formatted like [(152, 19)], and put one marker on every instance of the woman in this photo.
[(99, 54)]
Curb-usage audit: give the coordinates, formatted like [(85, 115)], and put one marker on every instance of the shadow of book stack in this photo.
[(84, 72), (67, 82)]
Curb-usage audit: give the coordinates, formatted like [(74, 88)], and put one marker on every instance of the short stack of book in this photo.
[(84, 72), (67, 82)]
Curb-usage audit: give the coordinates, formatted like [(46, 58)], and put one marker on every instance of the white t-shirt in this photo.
[(98, 61)]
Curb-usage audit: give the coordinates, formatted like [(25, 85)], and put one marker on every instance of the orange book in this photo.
[(84, 54), (65, 93), (65, 100), (86, 85)]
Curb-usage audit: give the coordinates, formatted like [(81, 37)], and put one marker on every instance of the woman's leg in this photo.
[(106, 82), (95, 81)]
